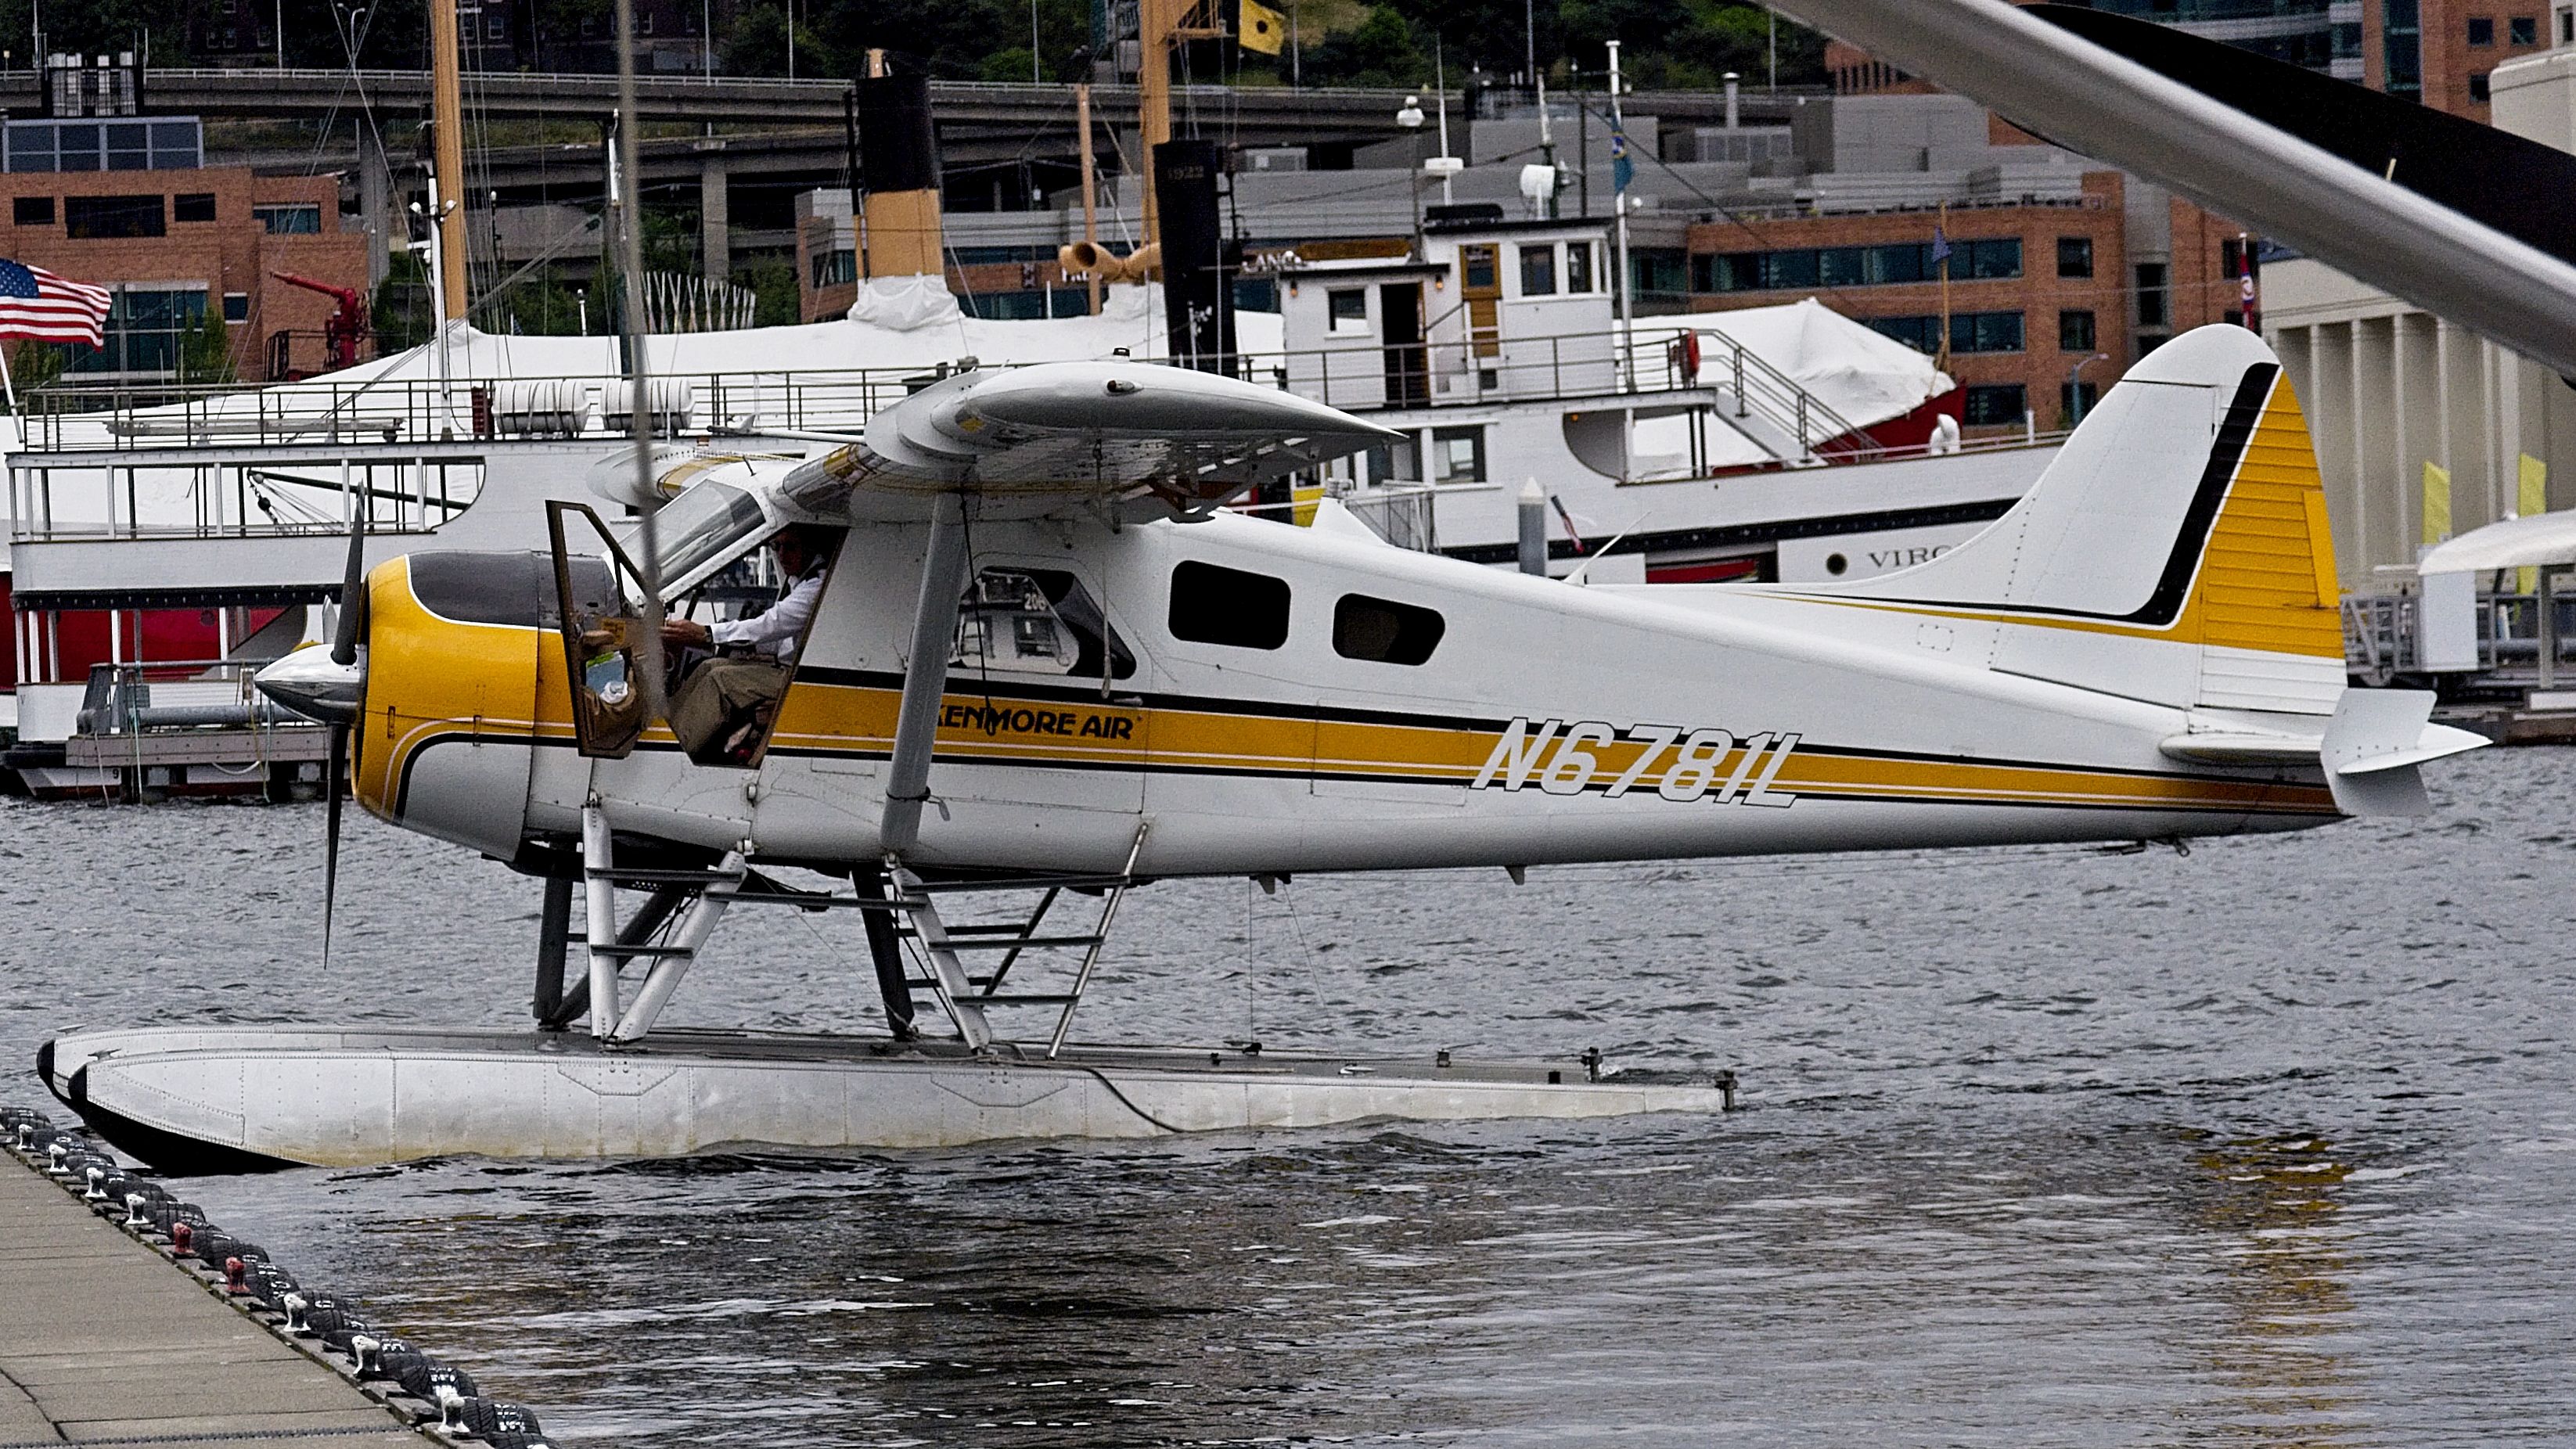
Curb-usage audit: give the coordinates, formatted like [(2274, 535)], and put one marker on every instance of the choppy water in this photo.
[(2268, 1145)]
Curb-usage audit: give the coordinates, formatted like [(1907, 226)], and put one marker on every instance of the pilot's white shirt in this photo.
[(775, 631)]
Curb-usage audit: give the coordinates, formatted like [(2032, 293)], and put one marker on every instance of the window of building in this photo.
[(2401, 29), (1349, 306), (146, 330), (2524, 30), (2567, 27), (289, 219), (496, 28), (2075, 256), (1658, 272), (2077, 401), (2480, 88), (1538, 271), (32, 211), (193, 206), (1214, 605), (2152, 308), (1923, 334), (2150, 342), (1396, 462), (1986, 332), (2481, 30), (1995, 405), (1987, 259), (1479, 264), (2075, 331), (1578, 266), (1892, 264), (236, 306), (835, 268), (100, 217), (1457, 455), (1384, 631)]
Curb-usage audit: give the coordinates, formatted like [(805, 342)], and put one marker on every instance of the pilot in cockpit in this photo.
[(723, 706)]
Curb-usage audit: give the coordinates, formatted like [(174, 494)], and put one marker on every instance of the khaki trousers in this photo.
[(720, 696)]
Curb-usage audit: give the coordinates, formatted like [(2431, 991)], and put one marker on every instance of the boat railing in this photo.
[(343, 412)]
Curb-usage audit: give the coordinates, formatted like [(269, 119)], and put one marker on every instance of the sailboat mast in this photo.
[(447, 135)]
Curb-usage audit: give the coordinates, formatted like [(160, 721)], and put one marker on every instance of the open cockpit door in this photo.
[(600, 614)]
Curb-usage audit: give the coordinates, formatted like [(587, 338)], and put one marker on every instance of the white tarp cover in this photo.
[(1864, 375), (899, 323), (1857, 370), (2543, 538)]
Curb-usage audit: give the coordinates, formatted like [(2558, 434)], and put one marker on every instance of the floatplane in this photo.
[(1045, 658)]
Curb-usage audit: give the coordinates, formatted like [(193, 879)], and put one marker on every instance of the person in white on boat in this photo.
[(725, 702)]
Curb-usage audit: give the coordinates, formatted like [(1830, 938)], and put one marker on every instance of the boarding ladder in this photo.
[(907, 928)]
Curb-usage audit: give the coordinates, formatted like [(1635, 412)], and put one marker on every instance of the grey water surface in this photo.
[(2269, 1145)]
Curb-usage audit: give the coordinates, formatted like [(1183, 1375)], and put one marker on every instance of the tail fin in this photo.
[(2177, 549)]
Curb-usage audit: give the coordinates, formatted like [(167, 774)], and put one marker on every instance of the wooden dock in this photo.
[(104, 1339)]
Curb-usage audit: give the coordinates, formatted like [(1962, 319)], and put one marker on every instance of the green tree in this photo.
[(206, 354), (401, 312)]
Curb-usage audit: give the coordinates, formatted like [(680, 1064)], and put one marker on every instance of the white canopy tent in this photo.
[(2541, 542)]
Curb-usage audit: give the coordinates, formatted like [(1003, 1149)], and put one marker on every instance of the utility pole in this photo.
[(447, 123), (1619, 204)]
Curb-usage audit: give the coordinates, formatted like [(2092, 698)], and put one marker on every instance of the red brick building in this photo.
[(2036, 288), (178, 244), (2440, 51)]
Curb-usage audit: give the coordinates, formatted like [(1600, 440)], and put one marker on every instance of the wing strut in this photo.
[(925, 675)]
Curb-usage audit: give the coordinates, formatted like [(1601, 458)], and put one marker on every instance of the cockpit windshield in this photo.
[(705, 526)]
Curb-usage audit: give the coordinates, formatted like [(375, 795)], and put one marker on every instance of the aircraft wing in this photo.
[(1147, 439)]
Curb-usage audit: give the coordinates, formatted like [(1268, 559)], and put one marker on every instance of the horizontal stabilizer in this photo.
[(2373, 748)]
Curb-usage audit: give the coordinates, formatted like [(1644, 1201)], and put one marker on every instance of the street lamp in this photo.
[(2075, 387), (1409, 117)]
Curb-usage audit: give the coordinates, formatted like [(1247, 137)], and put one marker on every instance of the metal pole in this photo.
[(447, 115), (1619, 204), (1090, 188), (639, 375), (1533, 519), (2548, 629)]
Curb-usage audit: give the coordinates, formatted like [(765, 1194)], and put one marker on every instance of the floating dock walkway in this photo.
[(108, 1338)]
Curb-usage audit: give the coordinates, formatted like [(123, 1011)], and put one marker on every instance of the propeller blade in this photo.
[(331, 778), (344, 643)]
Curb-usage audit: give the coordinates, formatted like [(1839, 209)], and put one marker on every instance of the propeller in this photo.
[(325, 682), (344, 653)]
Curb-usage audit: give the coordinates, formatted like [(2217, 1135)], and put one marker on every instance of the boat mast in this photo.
[(1154, 26), (447, 137)]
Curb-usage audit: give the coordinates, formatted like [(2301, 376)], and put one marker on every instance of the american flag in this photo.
[(38, 304)]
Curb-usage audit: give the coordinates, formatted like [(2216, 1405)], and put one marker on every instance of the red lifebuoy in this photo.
[(1689, 358)]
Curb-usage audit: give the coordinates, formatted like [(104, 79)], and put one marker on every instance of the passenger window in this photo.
[(1212, 605), (1040, 621), (1384, 631)]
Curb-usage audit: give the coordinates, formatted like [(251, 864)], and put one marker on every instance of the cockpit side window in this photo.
[(1037, 621), (705, 529)]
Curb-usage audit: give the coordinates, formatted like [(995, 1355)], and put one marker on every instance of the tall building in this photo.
[(2441, 52), (2322, 35)]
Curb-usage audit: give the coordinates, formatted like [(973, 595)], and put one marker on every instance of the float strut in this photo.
[(925, 675), (554, 939), (869, 883)]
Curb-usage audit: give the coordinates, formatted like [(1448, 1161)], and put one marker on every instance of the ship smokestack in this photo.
[(899, 166), (1198, 294)]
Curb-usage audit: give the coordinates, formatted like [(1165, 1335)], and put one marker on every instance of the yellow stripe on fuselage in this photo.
[(431, 678)]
